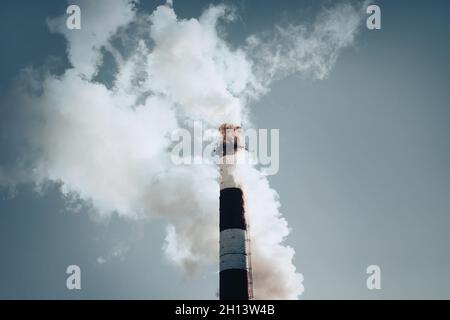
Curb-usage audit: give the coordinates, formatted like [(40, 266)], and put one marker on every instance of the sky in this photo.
[(364, 173)]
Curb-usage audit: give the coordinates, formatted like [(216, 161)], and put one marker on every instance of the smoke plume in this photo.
[(107, 144)]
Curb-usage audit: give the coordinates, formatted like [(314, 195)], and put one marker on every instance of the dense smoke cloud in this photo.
[(108, 146)]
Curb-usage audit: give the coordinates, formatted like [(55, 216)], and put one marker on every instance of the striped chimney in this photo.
[(235, 271)]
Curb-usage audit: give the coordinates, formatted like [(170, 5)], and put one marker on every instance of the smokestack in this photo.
[(235, 266)]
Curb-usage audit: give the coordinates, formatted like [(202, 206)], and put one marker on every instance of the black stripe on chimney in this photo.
[(232, 209)]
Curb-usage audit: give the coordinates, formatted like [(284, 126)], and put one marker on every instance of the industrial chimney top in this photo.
[(231, 138)]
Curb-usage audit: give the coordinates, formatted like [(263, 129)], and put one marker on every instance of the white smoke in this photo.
[(84, 45), (311, 49), (109, 146)]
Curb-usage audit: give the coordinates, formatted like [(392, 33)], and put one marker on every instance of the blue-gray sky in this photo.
[(364, 168)]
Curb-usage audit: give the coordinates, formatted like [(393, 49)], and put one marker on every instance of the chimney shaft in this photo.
[(234, 271)]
